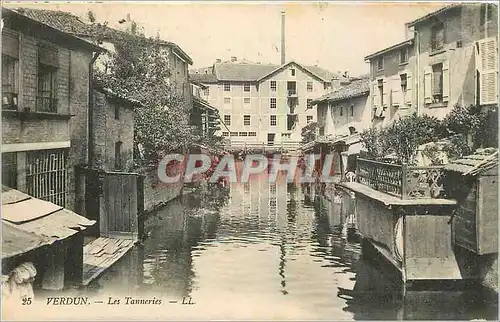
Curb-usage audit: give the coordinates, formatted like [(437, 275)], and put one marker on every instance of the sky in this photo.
[(335, 36)]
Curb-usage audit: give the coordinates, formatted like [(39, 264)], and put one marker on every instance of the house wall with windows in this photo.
[(392, 82), (307, 87), (113, 131), (458, 60), (253, 100), (45, 83)]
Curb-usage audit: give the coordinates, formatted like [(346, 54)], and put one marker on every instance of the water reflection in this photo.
[(269, 247)]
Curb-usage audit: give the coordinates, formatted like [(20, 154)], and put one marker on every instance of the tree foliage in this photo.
[(464, 128), (308, 132), (140, 68)]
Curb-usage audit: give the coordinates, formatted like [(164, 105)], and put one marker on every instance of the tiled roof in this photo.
[(357, 87), (203, 78), (245, 71), (474, 164), (72, 24), (434, 13), (401, 44)]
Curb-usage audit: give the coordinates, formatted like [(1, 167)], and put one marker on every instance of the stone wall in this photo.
[(157, 193)]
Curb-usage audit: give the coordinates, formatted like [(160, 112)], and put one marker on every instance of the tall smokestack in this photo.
[(283, 61)]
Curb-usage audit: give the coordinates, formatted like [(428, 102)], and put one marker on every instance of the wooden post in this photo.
[(140, 206), (404, 173), (74, 261), (53, 279)]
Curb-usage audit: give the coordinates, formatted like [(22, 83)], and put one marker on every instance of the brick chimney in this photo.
[(218, 60), (234, 58), (283, 57)]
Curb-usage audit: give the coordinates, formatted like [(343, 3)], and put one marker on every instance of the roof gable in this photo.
[(299, 66), (243, 72)]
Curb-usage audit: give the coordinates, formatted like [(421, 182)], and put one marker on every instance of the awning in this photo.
[(16, 241), (39, 217)]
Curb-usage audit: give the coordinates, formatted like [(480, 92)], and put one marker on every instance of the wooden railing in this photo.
[(407, 182), (265, 146)]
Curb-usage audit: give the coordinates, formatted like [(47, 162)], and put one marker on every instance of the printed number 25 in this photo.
[(26, 300)]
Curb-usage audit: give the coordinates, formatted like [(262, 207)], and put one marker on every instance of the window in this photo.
[(246, 100), (286, 135), (9, 170), (273, 102), (227, 100), (309, 103), (437, 82), (206, 91), (486, 13), (309, 86), (380, 84), (234, 133), (227, 119), (252, 133), (273, 86), (352, 109), (227, 87), (341, 109), (292, 71), (380, 63), (403, 55), (246, 87), (246, 120), (225, 133), (118, 155), (273, 120), (309, 119), (243, 133), (327, 86), (117, 111), (404, 82), (46, 176), (437, 37), (48, 65), (9, 82)]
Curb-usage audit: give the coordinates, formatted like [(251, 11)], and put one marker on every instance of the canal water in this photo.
[(264, 251)]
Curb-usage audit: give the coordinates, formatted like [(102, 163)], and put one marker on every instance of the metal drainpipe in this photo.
[(417, 82), (90, 143)]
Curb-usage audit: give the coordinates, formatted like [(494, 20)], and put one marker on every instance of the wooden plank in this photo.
[(445, 268), (111, 251), (28, 210), (428, 236), (488, 215), (390, 200)]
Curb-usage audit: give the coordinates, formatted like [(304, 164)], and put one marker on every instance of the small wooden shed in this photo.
[(473, 181)]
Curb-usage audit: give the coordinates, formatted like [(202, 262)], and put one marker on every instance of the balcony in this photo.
[(406, 182), (46, 104), (292, 93)]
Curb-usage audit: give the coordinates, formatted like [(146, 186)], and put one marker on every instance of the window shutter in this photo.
[(428, 85), (396, 93), (408, 95), (488, 82), (10, 44), (375, 96), (385, 92), (446, 81)]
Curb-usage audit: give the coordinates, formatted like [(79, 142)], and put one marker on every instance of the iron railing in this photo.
[(46, 104), (404, 181)]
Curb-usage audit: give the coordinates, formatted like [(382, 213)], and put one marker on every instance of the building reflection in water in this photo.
[(264, 243)]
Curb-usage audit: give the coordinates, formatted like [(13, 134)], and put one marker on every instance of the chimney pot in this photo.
[(234, 58), (218, 60)]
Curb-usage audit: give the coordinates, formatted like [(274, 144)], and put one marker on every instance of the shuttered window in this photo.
[(437, 83), (437, 37), (487, 66), (10, 82), (10, 43)]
